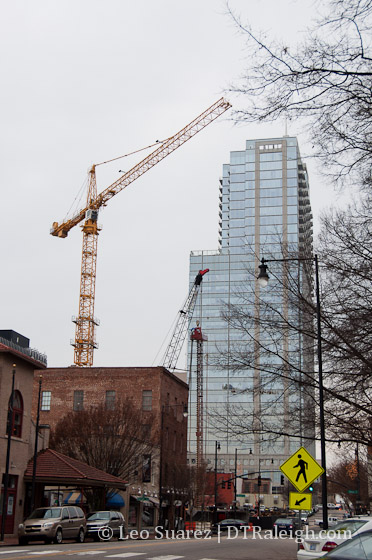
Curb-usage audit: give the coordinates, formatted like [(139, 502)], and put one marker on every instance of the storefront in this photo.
[(143, 513)]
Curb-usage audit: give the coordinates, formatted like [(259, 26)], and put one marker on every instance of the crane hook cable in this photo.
[(79, 195), (131, 153)]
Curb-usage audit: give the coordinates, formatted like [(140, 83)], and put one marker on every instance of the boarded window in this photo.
[(78, 400), (146, 400), (110, 400)]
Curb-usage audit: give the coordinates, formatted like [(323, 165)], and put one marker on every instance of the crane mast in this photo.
[(85, 322), (184, 317), (199, 338), (85, 340)]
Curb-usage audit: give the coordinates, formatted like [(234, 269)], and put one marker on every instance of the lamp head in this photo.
[(263, 277)]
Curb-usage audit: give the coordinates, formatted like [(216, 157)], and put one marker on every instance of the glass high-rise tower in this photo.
[(264, 212)]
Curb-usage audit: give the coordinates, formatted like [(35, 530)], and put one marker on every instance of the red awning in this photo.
[(54, 468)]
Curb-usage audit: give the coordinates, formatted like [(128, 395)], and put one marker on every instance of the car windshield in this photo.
[(349, 525), (98, 515), (227, 521), (285, 521), (357, 548), (45, 513)]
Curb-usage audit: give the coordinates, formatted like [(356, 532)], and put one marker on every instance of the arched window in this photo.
[(15, 419)]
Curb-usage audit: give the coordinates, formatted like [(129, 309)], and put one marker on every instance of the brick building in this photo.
[(224, 491), (154, 390), (16, 356)]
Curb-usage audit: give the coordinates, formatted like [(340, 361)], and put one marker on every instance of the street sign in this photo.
[(301, 469), (300, 501), (352, 491)]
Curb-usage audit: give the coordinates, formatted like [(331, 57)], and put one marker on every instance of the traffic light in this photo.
[(311, 488), (229, 484), (282, 480), (259, 480), (223, 485)]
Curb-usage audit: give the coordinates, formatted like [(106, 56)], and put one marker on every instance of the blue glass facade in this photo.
[(264, 205)]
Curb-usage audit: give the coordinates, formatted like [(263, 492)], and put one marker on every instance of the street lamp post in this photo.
[(235, 479), (217, 448), (263, 279), (7, 461), (358, 476), (236, 474), (259, 482), (35, 447)]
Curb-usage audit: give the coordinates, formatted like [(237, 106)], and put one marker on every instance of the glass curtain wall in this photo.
[(264, 207)]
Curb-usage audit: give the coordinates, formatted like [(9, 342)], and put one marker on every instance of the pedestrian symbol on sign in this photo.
[(303, 466), (301, 469)]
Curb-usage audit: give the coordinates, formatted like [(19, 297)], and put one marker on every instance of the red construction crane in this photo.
[(85, 322), (184, 317)]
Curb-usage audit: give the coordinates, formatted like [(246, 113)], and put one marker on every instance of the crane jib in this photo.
[(166, 148)]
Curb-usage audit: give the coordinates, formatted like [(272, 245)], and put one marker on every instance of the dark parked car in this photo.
[(288, 524), (97, 521), (53, 524), (226, 523)]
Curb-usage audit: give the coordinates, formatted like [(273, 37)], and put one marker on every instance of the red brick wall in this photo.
[(225, 496), (166, 389)]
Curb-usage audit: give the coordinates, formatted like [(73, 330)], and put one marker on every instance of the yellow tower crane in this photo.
[(85, 343)]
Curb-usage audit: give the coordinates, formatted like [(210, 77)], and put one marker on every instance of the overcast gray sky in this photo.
[(84, 81)]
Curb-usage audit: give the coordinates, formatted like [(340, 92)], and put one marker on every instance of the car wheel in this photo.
[(22, 540), (81, 536), (58, 536)]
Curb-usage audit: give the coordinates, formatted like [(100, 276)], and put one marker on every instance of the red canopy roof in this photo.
[(54, 468)]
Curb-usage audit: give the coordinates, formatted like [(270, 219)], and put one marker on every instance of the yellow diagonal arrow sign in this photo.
[(301, 469), (300, 501)]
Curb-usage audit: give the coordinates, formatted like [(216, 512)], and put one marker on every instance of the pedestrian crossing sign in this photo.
[(301, 469)]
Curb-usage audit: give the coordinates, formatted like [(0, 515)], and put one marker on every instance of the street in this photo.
[(193, 549)]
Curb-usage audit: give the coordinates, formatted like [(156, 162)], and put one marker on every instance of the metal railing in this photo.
[(30, 352)]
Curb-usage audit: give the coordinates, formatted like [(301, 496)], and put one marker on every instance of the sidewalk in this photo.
[(9, 541)]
